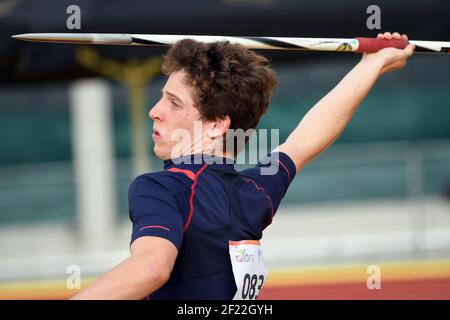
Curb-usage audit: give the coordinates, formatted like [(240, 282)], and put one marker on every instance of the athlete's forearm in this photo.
[(134, 278), (323, 123)]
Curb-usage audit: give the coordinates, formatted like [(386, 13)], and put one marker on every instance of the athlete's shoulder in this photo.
[(164, 181), (274, 165)]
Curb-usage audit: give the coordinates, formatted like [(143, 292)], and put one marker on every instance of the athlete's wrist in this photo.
[(374, 63)]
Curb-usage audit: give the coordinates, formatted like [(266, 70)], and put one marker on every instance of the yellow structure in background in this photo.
[(135, 75)]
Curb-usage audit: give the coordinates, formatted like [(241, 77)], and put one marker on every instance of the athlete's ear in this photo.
[(219, 127)]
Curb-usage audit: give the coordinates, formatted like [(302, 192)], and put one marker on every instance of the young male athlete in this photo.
[(197, 223)]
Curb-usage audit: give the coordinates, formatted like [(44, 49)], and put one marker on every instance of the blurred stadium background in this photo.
[(74, 132)]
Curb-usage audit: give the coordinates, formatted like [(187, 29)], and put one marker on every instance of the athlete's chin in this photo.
[(161, 152)]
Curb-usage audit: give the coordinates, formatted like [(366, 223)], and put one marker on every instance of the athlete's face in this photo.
[(174, 117)]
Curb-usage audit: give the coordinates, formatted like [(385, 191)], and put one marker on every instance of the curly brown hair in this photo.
[(227, 79)]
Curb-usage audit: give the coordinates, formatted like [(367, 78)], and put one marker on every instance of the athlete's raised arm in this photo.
[(323, 124)]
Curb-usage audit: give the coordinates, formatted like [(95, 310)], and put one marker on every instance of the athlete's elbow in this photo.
[(156, 274), (146, 284), (160, 277)]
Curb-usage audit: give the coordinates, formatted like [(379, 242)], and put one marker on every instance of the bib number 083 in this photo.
[(251, 286)]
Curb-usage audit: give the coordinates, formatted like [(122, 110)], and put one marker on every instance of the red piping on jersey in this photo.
[(189, 173), (193, 177), (282, 164), (268, 198), (160, 227)]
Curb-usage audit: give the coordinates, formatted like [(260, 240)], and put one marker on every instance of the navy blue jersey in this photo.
[(199, 203)]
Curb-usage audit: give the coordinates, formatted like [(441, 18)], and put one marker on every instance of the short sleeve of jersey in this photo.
[(154, 211), (274, 173)]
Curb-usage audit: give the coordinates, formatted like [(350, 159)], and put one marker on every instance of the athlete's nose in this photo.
[(155, 112)]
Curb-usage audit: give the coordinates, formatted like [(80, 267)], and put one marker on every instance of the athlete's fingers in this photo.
[(387, 35), (409, 49)]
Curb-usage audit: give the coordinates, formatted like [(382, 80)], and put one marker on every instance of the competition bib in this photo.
[(249, 268)]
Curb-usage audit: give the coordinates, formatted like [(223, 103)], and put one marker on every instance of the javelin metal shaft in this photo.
[(358, 44)]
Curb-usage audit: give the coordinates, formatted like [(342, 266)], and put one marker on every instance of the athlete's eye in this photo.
[(174, 104)]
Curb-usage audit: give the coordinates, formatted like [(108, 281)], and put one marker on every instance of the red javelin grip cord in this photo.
[(370, 45)]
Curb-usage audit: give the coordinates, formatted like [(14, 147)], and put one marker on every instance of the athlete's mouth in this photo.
[(156, 134)]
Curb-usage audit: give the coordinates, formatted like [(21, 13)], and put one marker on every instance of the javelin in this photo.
[(359, 44)]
